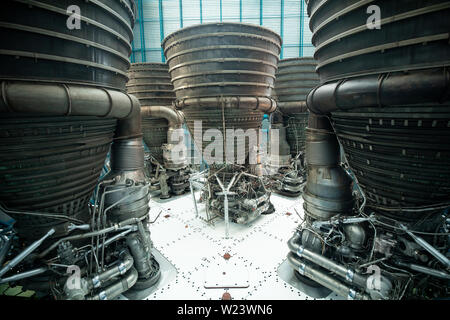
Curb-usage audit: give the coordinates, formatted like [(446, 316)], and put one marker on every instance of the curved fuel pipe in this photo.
[(142, 258), (325, 280), (263, 104), (123, 268), (72, 100), (121, 286), (174, 117), (293, 107), (389, 89), (125, 264), (348, 274)]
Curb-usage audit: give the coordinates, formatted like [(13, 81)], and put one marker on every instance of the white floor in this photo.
[(196, 249)]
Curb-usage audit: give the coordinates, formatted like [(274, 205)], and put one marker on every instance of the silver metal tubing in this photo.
[(348, 274), (119, 287), (293, 107), (429, 86), (6, 241), (193, 197), (118, 227), (426, 270), (23, 275), (225, 192), (109, 241), (72, 100), (443, 259), (124, 265), (325, 280), (25, 253), (41, 214), (263, 104), (174, 117)]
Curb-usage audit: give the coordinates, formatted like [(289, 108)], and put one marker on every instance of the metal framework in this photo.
[(282, 27), (240, 10), (261, 12), (181, 14), (161, 27), (141, 45), (142, 29), (302, 23)]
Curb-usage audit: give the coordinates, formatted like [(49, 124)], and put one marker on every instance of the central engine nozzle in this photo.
[(223, 75)]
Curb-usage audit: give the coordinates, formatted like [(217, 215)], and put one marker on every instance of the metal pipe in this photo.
[(420, 241), (25, 253), (72, 100), (324, 279), (6, 244), (174, 117), (227, 217), (348, 274), (109, 241), (419, 268), (193, 197), (263, 104), (119, 287), (105, 215), (40, 214), (124, 265), (225, 204), (414, 87), (225, 192), (293, 107), (142, 257), (125, 225), (23, 275)]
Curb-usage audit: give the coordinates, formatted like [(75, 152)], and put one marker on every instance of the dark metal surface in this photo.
[(387, 91), (37, 44), (150, 83), (295, 129), (424, 87), (211, 118), (322, 148), (155, 135), (328, 188), (51, 164), (222, 59), (295, 78), (400, 155), (413, 35)]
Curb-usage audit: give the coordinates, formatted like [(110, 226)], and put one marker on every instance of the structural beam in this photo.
[(161, 27), (302, 23), (142, 30), (240, 10), (282, 28), (201, 11), (181, 14), (260, 12)]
